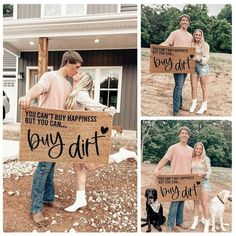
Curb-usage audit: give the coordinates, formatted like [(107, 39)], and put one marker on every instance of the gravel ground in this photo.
[(111, 195)]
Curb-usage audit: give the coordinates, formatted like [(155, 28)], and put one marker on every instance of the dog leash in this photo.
[(220, 199)]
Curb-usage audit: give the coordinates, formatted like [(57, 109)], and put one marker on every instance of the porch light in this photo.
[(31, 43), (96, 41)]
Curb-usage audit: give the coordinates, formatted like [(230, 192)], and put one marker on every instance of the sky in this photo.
[(213, 9)]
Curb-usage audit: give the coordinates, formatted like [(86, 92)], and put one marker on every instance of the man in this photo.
[(180, 157), (53, 89), (179, 38)]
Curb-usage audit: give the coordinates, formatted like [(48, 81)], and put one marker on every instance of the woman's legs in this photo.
[(80, 179), (117, 157), (204, 86), (193, 79), (80, 175), (205, 209), (205, 204), (195, 214)]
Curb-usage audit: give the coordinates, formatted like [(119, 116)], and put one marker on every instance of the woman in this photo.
[(80, 99), (201, 166), (201, 58)]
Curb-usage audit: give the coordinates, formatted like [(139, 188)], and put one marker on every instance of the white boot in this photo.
[(206, 227), (80, 202), (202, 109), (203, 220), (122, 155), (195, 222), (194, 104)]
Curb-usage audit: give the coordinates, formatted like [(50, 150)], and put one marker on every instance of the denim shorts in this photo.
[(206, 187), (201, 70)]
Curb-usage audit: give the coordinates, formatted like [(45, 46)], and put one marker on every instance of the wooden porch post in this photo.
[(42, 56)]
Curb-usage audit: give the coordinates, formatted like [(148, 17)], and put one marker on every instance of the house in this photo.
[(104, 34)]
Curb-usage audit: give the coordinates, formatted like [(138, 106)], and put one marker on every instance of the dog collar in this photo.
[(155, 206), (220, 199)]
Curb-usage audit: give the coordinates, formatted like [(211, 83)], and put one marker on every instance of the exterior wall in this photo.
[(128, 7), (127, 118), (25, 11), (9, 61), (101, 8)]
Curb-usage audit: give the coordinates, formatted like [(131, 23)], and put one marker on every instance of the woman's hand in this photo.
[(202, 174), (111, 110)]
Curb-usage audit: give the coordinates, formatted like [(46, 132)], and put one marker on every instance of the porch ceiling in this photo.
[(113, 32)]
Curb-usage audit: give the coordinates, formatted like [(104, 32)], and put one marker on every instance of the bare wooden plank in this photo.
[(171, 59), (60, 135), (43, 56)]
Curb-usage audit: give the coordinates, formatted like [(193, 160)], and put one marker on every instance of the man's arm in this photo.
[(160, 164), (33, 93)]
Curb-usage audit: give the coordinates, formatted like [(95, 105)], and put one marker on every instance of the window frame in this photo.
[(63, 8), (97, 88)]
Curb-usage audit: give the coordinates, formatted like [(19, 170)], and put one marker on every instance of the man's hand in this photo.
[(33, 93), (156, 172), (24, 102)]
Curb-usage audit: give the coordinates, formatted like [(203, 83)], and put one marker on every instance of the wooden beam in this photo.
[(42, 56)]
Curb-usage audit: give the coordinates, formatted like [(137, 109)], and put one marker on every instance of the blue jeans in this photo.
[(43, 189), (177, 93), (176, 214)]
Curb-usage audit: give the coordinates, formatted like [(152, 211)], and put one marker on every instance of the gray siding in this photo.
[(101, 8), (9, 60), (25, 11), (127, 118), (128, 7)]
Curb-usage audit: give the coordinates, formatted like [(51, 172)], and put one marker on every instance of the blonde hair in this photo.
[(203, 44), (204, 159), (85, 83)]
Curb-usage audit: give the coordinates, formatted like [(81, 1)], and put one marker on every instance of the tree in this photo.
[(216, 146), (158, 136), (161, 20), (145, 30), (222, 36), (226, 13), (7, 10)]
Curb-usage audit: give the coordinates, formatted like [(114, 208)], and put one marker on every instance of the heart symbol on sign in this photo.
[(198, 182), (104, 130), (191, 56)]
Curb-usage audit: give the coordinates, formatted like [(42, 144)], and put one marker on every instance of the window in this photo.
[(63, 10), (7, 10), (107, 84)]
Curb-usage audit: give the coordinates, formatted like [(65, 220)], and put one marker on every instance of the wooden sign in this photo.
[(178, 187), (171, 59), (61, 135)]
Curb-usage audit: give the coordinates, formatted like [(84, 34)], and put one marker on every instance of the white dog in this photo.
[(217, 208)]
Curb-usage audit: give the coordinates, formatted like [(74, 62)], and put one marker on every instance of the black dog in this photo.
[(154, 211)]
